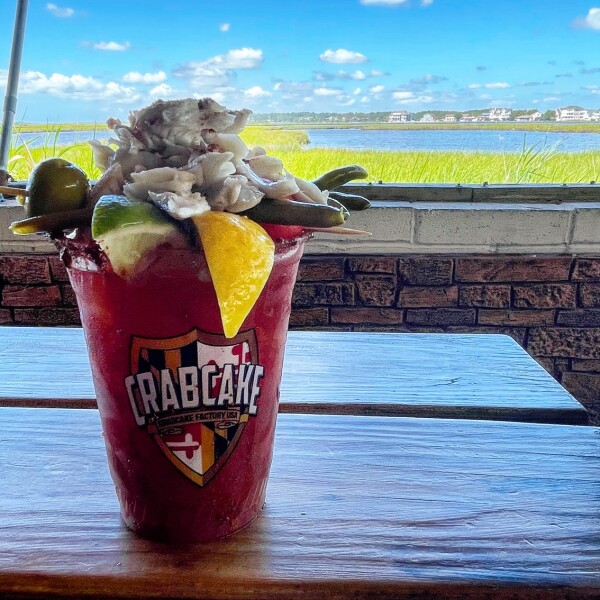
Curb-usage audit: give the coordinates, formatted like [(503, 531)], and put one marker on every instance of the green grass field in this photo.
[(532, 165)]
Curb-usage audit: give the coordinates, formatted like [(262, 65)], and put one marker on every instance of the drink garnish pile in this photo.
[(181, 175)]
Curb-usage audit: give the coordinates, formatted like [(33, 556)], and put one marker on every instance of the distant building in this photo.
[(427, 118), (529, 117), (450, 118), (595, 116), (400, 116), (572, 113), (499, 114), (470, 119)]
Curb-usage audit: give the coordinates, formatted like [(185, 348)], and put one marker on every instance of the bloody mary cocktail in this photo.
[(188, 415)]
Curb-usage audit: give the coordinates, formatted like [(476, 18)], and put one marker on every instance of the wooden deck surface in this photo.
[(422, 375), (358, 507)]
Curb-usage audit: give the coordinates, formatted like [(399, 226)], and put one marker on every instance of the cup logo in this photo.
[(194, 394)]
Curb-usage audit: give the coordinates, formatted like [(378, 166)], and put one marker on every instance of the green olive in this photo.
[(55, 185)]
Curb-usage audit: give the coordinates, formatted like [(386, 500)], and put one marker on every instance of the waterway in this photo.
[(428, 140), (440, 140)]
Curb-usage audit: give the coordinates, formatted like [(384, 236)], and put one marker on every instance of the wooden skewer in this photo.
[(13, 191), (339, 230)]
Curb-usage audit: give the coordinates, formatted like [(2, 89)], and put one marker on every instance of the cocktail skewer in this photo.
[(13, 191)]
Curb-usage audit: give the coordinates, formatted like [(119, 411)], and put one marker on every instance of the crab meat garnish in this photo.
[(181, 206), (233, 194), (165, 179)]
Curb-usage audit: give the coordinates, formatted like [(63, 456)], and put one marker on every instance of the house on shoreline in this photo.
[(576, 113), (399, 116), (499, 114), (529, 117)]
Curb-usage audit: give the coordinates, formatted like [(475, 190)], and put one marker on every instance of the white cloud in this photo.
[(551, 99), (222, 94), (136, 77), (499, 85), (323, 91), (384, 2), (242, 58), (358, 75), (216, 71), (219, 97), (376, 89), (256, 92), (162, 90), (426, 2), (403, 95), (78, 87), (376, 73), (592, 20), (111, 46), (298, 88), (59, 11), (224, 27), (357, 92), (342, 56)]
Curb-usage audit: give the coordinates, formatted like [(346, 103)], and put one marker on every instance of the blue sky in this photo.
[(89, 60)]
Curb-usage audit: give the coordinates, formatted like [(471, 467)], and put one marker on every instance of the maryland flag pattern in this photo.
[(194, 394)]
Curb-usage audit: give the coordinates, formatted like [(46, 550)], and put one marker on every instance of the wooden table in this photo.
[(357, 507), (422, 375)]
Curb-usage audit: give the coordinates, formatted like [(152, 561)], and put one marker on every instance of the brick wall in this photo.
[(548, 304)]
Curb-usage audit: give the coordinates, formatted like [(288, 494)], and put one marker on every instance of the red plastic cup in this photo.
[(188, 415)]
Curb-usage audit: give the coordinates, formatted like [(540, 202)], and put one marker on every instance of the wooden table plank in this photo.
[(421, 375), (471, 376), (356, 507)]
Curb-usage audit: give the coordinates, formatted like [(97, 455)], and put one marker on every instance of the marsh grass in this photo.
[(535, 163), (25, 154)]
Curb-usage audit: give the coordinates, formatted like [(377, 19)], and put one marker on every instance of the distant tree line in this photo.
[(322, 117), (380, 117)]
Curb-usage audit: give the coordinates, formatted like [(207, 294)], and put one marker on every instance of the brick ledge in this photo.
[(427, 228)]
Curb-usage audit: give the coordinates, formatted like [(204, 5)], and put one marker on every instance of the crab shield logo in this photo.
[(194, 394)]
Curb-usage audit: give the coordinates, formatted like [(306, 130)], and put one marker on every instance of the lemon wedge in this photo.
[(240, 256)]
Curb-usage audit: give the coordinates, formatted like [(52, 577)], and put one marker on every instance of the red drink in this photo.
[(188, 415)]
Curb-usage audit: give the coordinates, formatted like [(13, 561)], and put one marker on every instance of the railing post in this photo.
[(10, 101)]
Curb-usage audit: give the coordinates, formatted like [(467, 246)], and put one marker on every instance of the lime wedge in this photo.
[(128, 230)]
